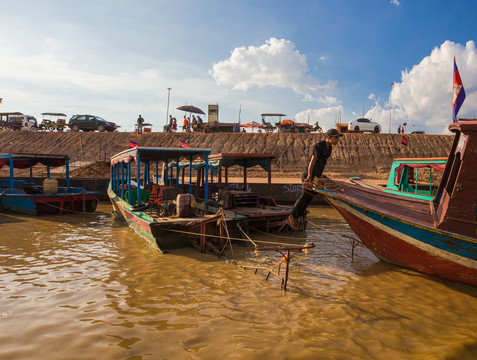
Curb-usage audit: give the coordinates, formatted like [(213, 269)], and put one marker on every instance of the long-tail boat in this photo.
[(160, 208), (436, 237), (28, 197)]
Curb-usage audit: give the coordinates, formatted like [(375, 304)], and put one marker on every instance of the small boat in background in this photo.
[(412, 177), (27, 197), (436, 236)]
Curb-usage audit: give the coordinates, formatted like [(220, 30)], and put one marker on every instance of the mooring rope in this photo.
[(231, 238), (273, 235), (65, 210), (327, 184)]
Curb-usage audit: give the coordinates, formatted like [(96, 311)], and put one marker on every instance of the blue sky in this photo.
[(312, 60)]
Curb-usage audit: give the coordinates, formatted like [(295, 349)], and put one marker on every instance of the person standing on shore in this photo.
[(170, 123), (184, 125), (140, 121), (321, 153)]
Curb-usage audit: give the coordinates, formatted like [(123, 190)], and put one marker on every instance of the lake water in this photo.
[(87, 287)]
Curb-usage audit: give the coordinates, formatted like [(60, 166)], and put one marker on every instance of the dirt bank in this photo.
[(368, 155)]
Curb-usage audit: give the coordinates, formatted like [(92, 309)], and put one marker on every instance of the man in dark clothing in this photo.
[(140, 121), (321, 153)]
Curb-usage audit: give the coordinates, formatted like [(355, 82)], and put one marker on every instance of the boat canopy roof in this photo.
[(24, 161), (158, 153), (243, 160), (228, 160), (439, 160)]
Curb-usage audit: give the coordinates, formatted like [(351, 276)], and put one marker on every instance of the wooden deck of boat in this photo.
[(264, 211), (415, 210), (175, 220)]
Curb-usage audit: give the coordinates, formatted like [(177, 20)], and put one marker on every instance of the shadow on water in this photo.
[(8, 219)]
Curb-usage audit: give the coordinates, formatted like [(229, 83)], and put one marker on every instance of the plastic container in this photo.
[(50, 186), (183, 205)]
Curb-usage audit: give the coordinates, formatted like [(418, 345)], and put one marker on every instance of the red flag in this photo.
[(133, 144), (183, 144), (404, 141)]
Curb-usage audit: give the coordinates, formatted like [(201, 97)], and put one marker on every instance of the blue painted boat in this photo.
[(437, 236), (25, 197), (164, 212)]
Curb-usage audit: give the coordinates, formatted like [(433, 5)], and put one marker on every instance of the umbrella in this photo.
[(251, 124), (191, 109)]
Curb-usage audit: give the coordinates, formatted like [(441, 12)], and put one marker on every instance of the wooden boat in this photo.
[(436, 237), (412, 177), (166, 214), (26, 197), (261, 212)]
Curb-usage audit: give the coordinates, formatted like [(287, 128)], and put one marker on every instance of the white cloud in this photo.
[(395, 2), (50, 80), (275, 63), (423, 98), (326, 117)]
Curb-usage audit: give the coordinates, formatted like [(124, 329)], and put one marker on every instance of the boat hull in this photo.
[(136, 220), (41, 204), (430, 251)]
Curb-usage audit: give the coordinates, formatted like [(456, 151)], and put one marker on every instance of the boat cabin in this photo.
[(259, 208), (147, 181), (415, 177)]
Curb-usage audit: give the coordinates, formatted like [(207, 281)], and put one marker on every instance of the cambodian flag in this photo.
[(459, 93), (183, 144), (133, 144)]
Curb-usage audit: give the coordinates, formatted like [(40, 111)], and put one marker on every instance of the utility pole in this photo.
[(390, 106), (168, 97)]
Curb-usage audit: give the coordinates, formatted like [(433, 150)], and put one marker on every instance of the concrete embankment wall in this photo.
[(368, 155)]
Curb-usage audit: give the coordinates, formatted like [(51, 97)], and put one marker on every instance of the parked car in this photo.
[(90, 123), (418, 132), (363, 124)]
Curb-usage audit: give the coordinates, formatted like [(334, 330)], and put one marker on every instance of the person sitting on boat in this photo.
[(321, 153)]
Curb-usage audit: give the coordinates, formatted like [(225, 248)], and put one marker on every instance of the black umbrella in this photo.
[(191, 109)]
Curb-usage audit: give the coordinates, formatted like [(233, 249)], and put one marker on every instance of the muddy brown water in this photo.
[(87, 287)]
